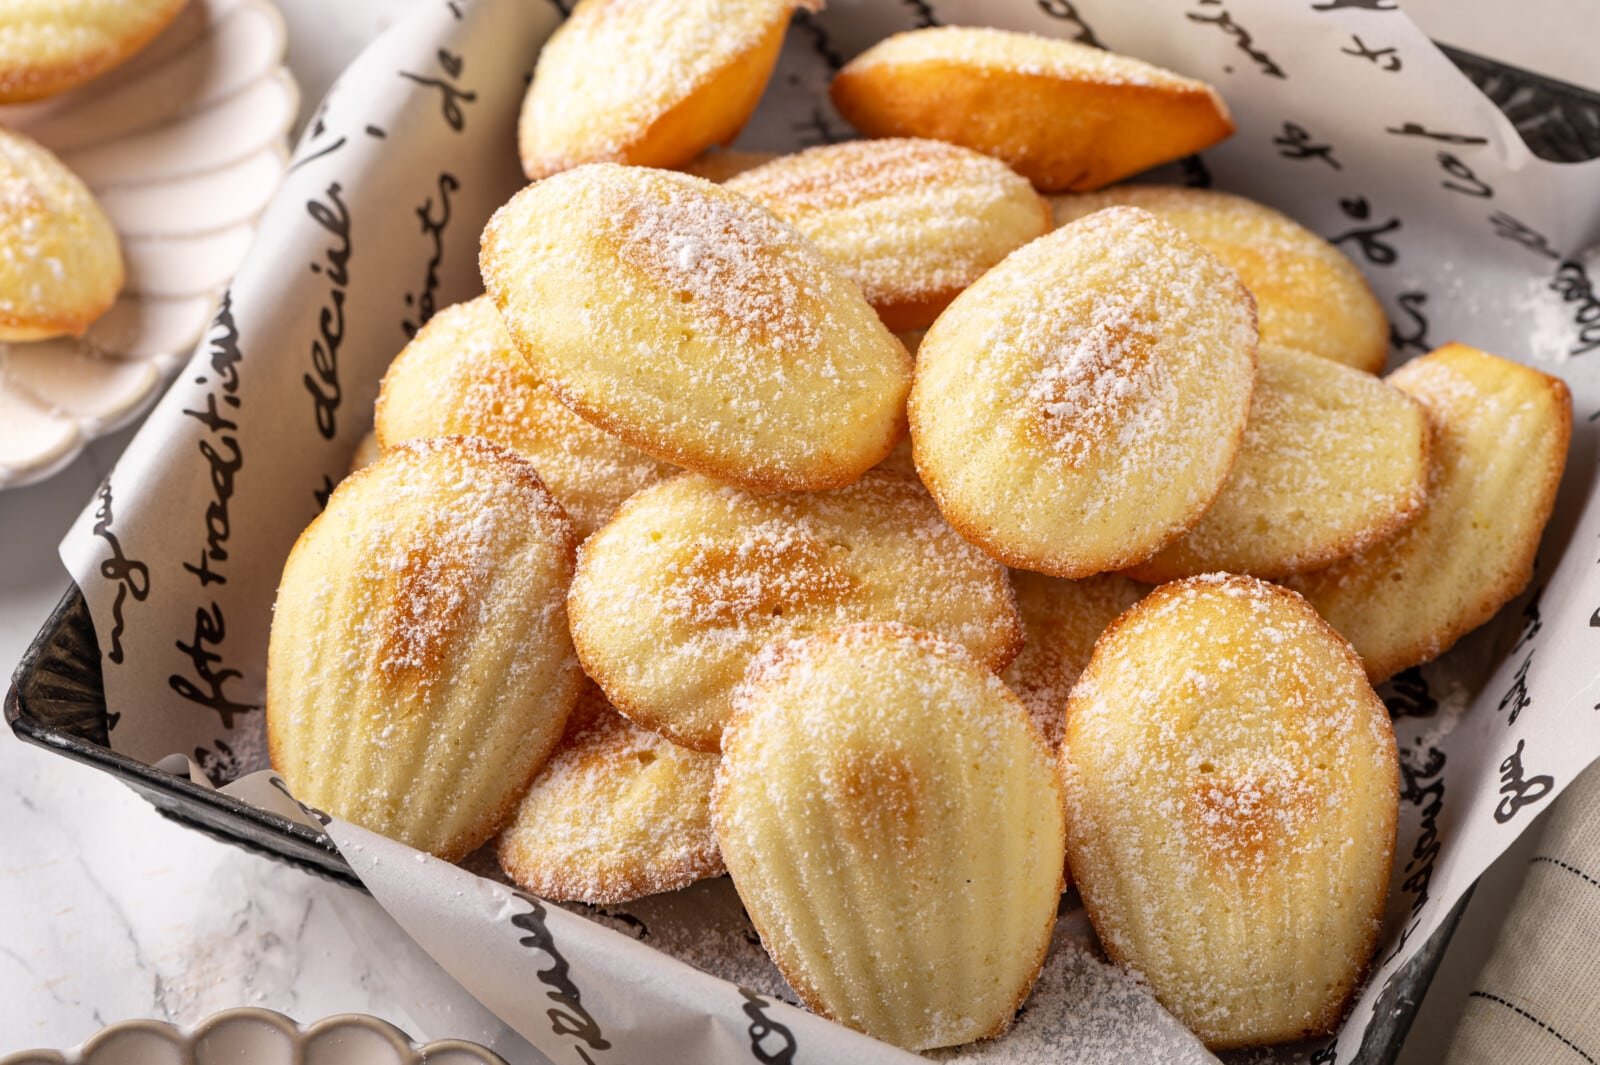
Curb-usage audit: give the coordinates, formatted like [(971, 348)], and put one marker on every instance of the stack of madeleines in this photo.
[(640, 581)]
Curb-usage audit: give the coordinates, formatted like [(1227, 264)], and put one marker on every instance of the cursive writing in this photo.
[(209, 688), (333, 217), (1386, 59), (131, 576), (452, 96), (207, 680), (568, 1017), (1513, 229), (1573, 285), (1067, 11), (1516, 699), (433, 227), (1518, 790), (771, 1042), (1421, 785), (1295, 142), (1242, 38)]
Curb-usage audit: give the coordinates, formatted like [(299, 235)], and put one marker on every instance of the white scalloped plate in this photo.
[(183, 145), (250, 1036)]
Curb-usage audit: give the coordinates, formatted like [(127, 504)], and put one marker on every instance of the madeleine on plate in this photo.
[(1064, 115), (49, 46), (649, 84), (62, 265), (892, 821), (419, 669), (1232, 790)]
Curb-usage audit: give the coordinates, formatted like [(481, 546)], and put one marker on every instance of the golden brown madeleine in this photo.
[(648, 84), (912, 221), (1500, 434), (675, 596), (1333, 461), (1061, 620), (1309, 295), (1079, 407), (617, 813), (1232, 790), (462, 376), (891, 819), (48, 46), (62, 266), (1064, 115), (697, 327), (720, 164), (419, 669)]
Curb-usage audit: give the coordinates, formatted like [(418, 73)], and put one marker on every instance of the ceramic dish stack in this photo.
[(259, 1037), (183, 146)]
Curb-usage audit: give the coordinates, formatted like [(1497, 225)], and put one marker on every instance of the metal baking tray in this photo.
[(57, 699)]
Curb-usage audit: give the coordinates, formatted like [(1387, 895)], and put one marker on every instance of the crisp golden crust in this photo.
[(900, 854), (62, 267), (1061, 620), (913, 222), (695, 326), (49, 46), (419, 670), (462, 376), (720, 164), (1309, 295), (1333, 461), (1500, 435), (1231, 807), (647, 84), (617, 813), (676, 595), (1063, 115), (1079, 407)]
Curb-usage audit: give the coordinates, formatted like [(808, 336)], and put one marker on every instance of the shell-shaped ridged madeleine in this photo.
[(1333, 461), (1079, 407), (1232, 790), (1063, 114), (675, 596), (62, 266), (462, 376), (1309, 295), (49, 46), (890, 817), (1061, 620), (912, 221), (648, 84), (419, 669), (697, 327), (1500, 436), (617, 813)]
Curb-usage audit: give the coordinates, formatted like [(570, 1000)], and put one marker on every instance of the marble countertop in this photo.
[(109, 911)]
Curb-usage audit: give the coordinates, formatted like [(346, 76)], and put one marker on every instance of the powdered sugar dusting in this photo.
[(907, 219), (1021, 53)]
